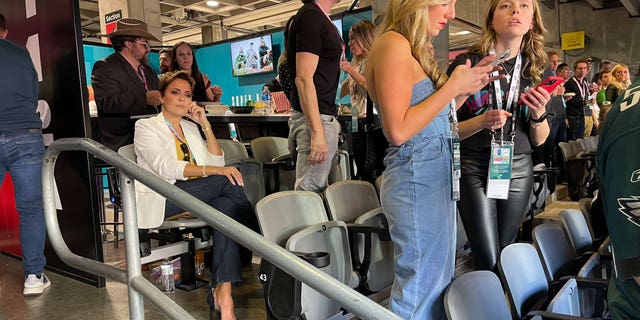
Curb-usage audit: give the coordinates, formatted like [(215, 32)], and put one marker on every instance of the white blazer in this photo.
[(155, 149)]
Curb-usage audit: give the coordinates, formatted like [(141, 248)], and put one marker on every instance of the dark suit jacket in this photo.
[(575, 106), (119, 94), (555, 107)]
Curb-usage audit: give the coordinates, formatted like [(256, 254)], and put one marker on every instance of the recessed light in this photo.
[(213, 3)]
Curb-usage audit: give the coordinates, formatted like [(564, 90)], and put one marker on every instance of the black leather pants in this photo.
[(493, 224)]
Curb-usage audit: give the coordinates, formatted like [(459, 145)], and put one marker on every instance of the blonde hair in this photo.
[(362, 34), (620, 85), (410, 18), (531, 48)]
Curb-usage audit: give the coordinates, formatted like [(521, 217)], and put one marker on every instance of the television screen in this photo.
[(251, 56)]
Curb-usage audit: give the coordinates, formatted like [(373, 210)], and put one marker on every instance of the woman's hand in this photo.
[(198, 115), (495, 119), (470, 80), (345, 65), (217, 92), (536, 100), (232, 173)]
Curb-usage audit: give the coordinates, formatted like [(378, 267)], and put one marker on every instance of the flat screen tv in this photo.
[(251, 56)]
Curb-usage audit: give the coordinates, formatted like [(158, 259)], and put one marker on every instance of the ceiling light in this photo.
[(213, 3), (461, 33)]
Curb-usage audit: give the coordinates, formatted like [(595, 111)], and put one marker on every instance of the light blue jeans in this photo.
[(312, 177), (416, 197), (21, 154)]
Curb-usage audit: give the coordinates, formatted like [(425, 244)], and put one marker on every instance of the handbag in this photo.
[(280, 102), (375, 142)]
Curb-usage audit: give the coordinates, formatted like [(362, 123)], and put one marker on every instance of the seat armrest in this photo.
[(550, 315)]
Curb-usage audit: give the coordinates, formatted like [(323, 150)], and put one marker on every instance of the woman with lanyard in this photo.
[(173, 148), (498, 127), (418, 189)]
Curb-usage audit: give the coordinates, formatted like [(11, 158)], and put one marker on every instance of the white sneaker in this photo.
[(34, 285)]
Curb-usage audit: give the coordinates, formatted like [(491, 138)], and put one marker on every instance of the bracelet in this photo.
[(204, 173), (206, 128), (543, 117)]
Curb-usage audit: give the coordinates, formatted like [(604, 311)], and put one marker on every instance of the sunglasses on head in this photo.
[(185, 150)]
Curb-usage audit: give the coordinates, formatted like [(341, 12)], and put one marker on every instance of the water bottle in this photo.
[(198, 260), (233, 101), (266, 97), (249, 102), (232, 130), (168, 285)]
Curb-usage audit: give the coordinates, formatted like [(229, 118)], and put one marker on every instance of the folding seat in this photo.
[(174, 233), (356, 203), (279, 165), (581, 244), (576, 169), (555, 253), (298, 221), (341, 167), (234, 151), (476, 295), (527, 286)]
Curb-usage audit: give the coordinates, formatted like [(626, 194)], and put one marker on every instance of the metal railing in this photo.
[(140, 287)]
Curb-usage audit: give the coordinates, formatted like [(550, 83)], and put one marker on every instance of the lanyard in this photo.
[(143, 77), (453, 119), (175, 133), (581, 88), (515, 83), (344, 47)]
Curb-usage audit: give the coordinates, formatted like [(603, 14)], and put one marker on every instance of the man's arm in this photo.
[(306, 64), (111, 95)]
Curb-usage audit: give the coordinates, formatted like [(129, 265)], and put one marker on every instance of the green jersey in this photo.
[(619, 173)]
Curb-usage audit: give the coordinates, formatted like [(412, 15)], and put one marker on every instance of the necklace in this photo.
[(507, 72)]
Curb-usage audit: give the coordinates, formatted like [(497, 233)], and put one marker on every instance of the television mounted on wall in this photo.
[(252, 56)]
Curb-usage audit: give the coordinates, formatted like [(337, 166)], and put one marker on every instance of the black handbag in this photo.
[(376, 143)]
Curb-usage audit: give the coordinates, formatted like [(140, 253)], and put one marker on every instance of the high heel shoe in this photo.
[(211, 301)]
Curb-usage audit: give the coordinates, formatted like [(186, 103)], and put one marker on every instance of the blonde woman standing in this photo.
[(414, 99)]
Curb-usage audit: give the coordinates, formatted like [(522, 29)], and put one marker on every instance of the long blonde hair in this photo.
[(363, 34), (531, 48), (621, 85), (410, 18)]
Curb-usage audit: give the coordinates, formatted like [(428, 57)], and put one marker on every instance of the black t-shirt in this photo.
[(312, 32), (478, 146)]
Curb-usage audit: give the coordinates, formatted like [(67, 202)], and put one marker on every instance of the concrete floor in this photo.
[(69, 299)]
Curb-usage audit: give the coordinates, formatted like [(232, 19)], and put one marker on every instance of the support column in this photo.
[(145, 10)]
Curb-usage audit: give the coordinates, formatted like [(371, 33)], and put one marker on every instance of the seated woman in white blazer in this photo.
[(173, 148)]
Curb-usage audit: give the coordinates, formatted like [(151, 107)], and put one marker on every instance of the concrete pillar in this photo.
[(145, 10), (207, 34)]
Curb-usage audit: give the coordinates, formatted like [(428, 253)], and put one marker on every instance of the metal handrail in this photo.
[(353, 301)]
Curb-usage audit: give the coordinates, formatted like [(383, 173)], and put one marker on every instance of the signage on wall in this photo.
[(572, 40), (110, 22)]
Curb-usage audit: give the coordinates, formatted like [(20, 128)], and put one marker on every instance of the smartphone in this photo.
[(549, 84), (500, 58)]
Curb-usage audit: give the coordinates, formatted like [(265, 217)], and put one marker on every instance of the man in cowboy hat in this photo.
[(124, 84)]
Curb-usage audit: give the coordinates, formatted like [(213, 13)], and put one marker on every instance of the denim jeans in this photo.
[(229, 199), (312, 177), (416, 198), (21, 154)]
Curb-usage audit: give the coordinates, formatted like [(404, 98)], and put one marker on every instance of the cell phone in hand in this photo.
[(500, 58), (549, 84)]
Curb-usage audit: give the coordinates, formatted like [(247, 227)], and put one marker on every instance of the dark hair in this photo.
[(117, 42), (165, 50), (172, 76), (562, 65), (575, 64), (195, 71), (3, 23)]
